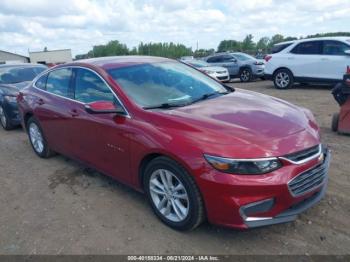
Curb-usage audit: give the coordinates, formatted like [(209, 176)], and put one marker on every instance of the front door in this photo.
[(100, 140)]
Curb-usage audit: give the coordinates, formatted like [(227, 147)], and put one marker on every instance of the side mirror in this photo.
[(347, 52), (103, 107)]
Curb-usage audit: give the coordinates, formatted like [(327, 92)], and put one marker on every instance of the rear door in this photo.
[(53, 107), (305, 59), (334, 61)]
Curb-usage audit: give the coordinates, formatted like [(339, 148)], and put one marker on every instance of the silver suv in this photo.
[(239, 65)]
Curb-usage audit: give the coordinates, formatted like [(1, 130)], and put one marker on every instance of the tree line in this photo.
[(175, 50)]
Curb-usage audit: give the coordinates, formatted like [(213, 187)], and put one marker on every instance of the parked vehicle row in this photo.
[(239, 65), (317, 60), (200, 150)]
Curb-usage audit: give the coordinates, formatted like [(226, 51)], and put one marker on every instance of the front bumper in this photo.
[(260, 201), (258, 71)]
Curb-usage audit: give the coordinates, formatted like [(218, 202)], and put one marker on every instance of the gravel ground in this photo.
[(57, 206)]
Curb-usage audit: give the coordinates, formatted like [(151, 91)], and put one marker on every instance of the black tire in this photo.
[(46, 152), (245, 75), (5, 121), (283, 79), (196, 213), (335, 122)]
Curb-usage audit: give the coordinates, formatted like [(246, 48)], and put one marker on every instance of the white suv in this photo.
[(314, 60)]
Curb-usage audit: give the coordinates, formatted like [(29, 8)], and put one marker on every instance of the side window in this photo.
[(58, 82), (89, 87), (214, 59), (227, 58), (308, 48), (334, 48), (41, 82)]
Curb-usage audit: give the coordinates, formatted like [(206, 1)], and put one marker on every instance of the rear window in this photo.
[(308, 48), (278, 48)]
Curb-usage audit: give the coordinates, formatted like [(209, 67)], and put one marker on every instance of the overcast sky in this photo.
[(80, 24)]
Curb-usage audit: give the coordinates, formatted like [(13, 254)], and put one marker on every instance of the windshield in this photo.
[(243, 57), (170, 83), (17, 74), (197, 63)]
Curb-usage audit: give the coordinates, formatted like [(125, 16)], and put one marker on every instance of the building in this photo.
[(6, 57), (51, 57)]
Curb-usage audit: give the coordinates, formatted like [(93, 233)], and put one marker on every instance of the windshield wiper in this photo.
[(207, 96), (164, 106)]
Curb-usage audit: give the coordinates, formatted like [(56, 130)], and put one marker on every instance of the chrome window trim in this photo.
[(306, 159), (47, 72)]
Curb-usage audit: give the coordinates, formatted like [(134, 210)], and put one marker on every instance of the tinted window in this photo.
[(58, 82), (41, 82), (164, 83), (278, 48), (334, 48), (214, 59), (10, 74), (90, 88), (227, 58), (308, 48)]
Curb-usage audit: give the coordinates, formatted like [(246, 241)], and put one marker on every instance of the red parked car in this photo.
[(198, 149)]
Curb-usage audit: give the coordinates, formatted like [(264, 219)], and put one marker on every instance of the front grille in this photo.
[(222, 77), (221, 72), (302, 155), (308, 180)]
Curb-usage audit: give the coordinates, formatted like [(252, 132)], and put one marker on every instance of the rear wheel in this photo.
[(246, 75), (173, 194), (37, 139), (335, 122), (4, 120), (283, 79)]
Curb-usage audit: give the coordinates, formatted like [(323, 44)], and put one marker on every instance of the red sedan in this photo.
[(197, 148)]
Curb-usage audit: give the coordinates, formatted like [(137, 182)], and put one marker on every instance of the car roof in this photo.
[(120, 61), (341, 38)]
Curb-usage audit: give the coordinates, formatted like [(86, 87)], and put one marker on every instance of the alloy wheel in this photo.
[(3, 118), (282, 79), (36, 138), (245, 75), (169, 195)]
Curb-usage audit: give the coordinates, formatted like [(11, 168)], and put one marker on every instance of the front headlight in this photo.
[(11, 99), (244, 166), (209, 72)]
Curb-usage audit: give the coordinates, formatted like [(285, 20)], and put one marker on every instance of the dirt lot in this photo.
[(56, 206)]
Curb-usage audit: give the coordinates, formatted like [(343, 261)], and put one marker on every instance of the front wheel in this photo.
[(246, 75), (173, 194), (37, 139), (283, 79)]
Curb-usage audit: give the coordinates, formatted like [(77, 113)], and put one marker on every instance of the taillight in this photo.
[(267, 58), (348, 70)]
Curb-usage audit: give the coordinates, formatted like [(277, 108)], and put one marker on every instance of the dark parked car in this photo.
[(12, 79), (197, 148)]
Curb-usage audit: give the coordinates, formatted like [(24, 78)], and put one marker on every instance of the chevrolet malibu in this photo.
[(199, 150)]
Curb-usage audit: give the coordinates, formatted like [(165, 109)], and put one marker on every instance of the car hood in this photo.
[(13, 89), (243, 118)]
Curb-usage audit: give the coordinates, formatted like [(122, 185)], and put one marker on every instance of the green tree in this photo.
[(263, 44), (248, 44), (229, 45)]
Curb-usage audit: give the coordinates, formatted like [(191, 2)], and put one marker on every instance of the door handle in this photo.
[(74, 113), (325, 59), (40, 101)]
